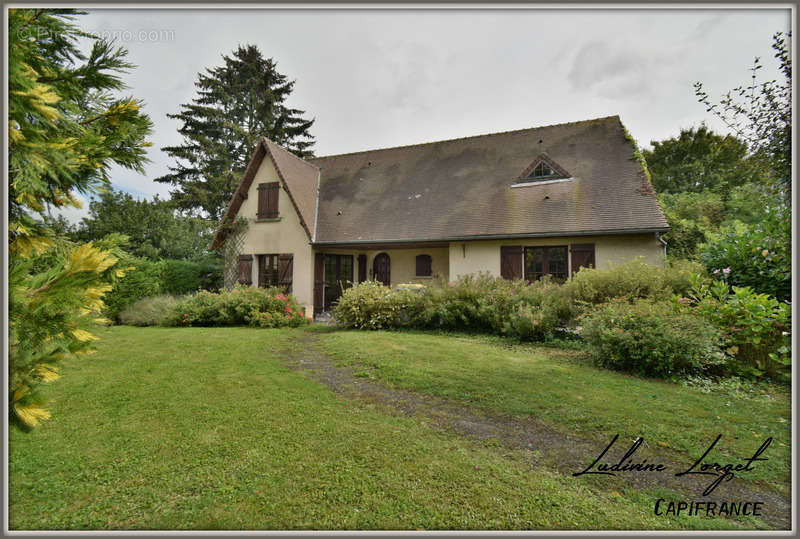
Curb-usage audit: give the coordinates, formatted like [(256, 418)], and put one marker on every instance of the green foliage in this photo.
[(480, 303), (474, 303), (761, 115), (651, 338), (691, 216), (756, 327), (757, 255), (152, 311), (237, 104), (634, 279), (154, 228), (370, 305), (699, 160), (143, 280), (183, 277), (251, 306), (66, 129), (531, 322)]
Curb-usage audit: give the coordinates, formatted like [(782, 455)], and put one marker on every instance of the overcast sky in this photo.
[(380, 78)]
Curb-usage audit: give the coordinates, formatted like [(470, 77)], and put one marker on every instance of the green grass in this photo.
[(568, 393), (193, 428)]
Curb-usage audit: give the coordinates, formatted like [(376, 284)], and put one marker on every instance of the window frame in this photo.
[(427, 261), (263, 281), (268, 196), (545, 262)]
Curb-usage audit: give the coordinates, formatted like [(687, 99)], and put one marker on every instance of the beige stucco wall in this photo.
[(282, 236), (403, 263), (483, 256)]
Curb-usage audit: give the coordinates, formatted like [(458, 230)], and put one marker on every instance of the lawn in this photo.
[(195, 428), (564, 390)]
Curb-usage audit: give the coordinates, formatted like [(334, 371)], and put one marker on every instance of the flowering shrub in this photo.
[(757, 255), (651, 338), (258, 307), (756, 327)]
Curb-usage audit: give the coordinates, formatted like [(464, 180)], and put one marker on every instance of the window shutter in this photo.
[(424, 266), (285, 271), (246, 269), (582, 256), (362, 268), (511, 262), (319, 281), (268, 200)]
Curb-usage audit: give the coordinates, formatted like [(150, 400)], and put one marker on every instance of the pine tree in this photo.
[(65, 129), (237, 103)]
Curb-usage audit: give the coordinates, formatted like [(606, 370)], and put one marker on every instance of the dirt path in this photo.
[(566, 453)]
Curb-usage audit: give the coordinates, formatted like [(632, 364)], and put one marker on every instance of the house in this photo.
[(518, 204)]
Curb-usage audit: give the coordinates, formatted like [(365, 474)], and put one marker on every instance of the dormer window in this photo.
[(542, 170)]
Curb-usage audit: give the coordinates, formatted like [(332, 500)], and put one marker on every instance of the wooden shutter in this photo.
[(268, 200), (511, 262), (424, 266), (362, 268), (582, 256), (285, 271), (319, 281), (246, 269)]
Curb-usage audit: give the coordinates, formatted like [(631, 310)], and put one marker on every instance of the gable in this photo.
[(298, 180)]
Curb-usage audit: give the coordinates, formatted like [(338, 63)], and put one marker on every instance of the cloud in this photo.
[(704, 28), (610, 70)]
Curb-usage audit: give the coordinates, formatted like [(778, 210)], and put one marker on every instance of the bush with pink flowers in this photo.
[(241, 306)]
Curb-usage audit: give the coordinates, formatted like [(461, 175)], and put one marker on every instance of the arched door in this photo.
[(381, 270)]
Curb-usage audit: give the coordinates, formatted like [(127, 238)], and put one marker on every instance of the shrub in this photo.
[(756, 327), (184, 276), (632, 280), (531, 322), (142, 282), (370, 305), (258, 307), (758, 256), (651, 338), (473, 302), (153, 311)]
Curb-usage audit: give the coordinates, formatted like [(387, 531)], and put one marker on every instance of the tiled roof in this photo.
[(461, 188)]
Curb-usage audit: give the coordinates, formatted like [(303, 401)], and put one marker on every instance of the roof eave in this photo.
[(612, 232)]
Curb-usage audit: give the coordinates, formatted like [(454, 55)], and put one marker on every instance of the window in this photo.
[(542, 170), (541, 261), (245, 269), (267, 270), (268, 200), (424, 266), (582, 256), (275, 270)]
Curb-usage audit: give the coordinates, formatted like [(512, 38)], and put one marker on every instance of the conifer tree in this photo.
[(66, 127), (236, 104)]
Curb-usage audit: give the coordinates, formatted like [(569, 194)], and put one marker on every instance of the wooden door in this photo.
[(381, 270), (338, 276)]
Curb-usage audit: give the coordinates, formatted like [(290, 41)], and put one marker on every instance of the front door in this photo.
[(338, 276), (381, 270)]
